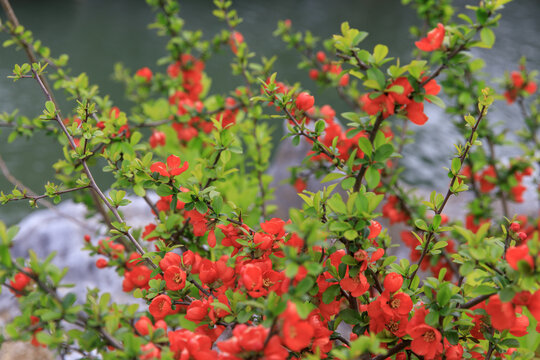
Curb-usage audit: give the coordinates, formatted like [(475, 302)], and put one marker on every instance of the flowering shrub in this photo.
[(222, 277)]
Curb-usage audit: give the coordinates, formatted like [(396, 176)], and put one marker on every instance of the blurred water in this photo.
[(98, 33)]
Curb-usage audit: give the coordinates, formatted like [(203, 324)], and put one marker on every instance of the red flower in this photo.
[(300, 185), (426, 341), (374, 229), (503, 314), (208, 272), (144, 73), (515, 254), (174, 167), (415, 113), (211, 239), (373, 106), (160, 306), (433, 40), (396, 305), (534, 305), (150, 351), (297, 334), (235, 40), (170, 259), (157, 138), (139, 276), (304, 101), (517, 193), (357, 285), (19, 282), (252, 277), (402, 98), (197, 311), (175, 278), (453, 352), (144, 325)]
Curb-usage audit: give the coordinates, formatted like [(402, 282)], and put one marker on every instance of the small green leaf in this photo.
[(488, 37), (380, 52), (365, 146), (373, 177)]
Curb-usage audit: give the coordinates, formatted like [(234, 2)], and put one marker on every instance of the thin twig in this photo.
[(449, 193), (363, 169)]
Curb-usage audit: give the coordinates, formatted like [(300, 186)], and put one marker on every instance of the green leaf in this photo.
[(339, 226), (332, 177), (348, 259), (365, 146), (377, 75), (456, 165), (304, 286), (380, 52), (488, 37), (164, 190), (507, 294), (436, 100), (383, 152), (350, 316), (49, 105), (373, 177), (511, 343), (348, 183), (201, 207), (443, 295), (350, 234), (330, 294)]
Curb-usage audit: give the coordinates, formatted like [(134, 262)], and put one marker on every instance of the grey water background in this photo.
[(98, 33)]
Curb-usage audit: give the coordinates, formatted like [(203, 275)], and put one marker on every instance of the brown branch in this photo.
[(477, 300), (337, 161), (363, 169), (449, 192), (39, 197), (402, 345), (27, 47), (5, 171), (497, 177)]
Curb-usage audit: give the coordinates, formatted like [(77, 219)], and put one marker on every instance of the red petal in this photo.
[(160, 168), (415, 113), (173, 162), (211, 239)]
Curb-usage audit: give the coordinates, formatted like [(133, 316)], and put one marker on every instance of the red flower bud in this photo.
[(304, 101), (144, 73), (393, 282), (514, 226), (101, 263)]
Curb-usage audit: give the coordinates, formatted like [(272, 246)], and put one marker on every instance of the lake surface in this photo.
[(98, 33)]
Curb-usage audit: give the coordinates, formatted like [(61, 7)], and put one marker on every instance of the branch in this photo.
[(27, 47), (81, 317), (323, 149), (402, 345), (364, 167), (449, 192), (477, 300), (39, 197)]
